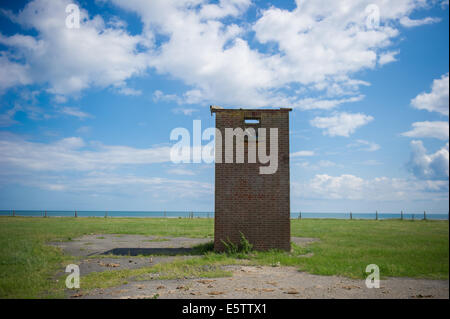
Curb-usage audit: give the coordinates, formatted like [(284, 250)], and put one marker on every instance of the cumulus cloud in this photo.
[(341, 124), (437, 100), (351, 187), (429, 129), (429, 166), (318, 46), (12, 73), (69, 60)]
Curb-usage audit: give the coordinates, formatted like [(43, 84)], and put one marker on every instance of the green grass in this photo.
[(28, 266), (400, 248), (417, 249), (178, 269)]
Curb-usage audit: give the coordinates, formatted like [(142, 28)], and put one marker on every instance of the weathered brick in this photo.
[(246, 201)]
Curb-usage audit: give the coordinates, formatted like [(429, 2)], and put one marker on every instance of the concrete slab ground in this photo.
[(106, 252)]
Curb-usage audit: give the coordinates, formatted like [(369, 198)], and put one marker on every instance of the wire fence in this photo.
[(192, 214)]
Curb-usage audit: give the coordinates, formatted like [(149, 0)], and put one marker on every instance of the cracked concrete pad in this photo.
[(128, 245), (256, 282)]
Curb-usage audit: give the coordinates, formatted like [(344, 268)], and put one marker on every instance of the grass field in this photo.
[(417, 249)]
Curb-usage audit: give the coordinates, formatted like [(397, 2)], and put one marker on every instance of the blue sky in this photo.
[(86, 113)]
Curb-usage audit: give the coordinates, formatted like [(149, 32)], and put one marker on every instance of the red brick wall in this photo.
[(246, 201)]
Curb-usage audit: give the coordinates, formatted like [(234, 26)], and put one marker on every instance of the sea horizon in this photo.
[(210, 214)]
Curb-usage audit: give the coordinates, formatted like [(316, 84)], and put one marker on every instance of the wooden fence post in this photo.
[(401, 215), (376, 215)]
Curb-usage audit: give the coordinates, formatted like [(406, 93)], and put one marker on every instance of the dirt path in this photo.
[(247, 281), (275, 282)]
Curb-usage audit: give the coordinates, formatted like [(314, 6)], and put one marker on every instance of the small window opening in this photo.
[(251, 121)]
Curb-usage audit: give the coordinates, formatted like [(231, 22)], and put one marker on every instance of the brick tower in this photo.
[(246, 200)]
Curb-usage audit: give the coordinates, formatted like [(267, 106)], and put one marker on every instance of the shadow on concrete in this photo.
[(149, 251)]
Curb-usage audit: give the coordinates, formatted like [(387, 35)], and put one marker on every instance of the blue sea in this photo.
[(187, 214)]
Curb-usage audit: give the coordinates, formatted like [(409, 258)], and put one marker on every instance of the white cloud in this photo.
[(74, 111), (59, 99), (73, 154), (341, 124), (437, 100), (180, 171), (32, 112), (323, 103), (387, 57), (185, 111), (429, 166), (161, 96), (84, 130), (351, 187), (409, 23), (317, 46), (224, 8), (172, 189), (7, 118), (371, 162), (69, 60), (364, 146), (129, 91), (74, 165), (303, 153), (429, 130), (12, 73), (317, 166), (106, 183), (326, 163)]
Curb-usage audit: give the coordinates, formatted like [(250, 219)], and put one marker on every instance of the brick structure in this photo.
[(258, 205)]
